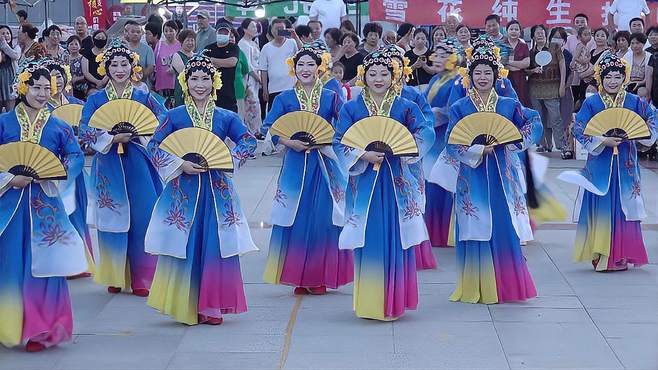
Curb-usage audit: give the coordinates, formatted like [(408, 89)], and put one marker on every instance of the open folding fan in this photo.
[(124, 116), (304, 126), (485, 128), (31, 160), (381, 134), (618, 122), (69, 113), (199, 146)]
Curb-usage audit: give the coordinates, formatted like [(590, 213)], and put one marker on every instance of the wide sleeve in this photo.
[(593, 144), (245, 143), (529, 123), (99, 140), (5, 177), (277, 110), (72, 155), (167, 165), (425, 108), (422, 130), (469, 155), (337, 104), (648, 113), (348, 157)]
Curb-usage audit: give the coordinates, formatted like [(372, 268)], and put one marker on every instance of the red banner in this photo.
[(528, 12), (95, 13)]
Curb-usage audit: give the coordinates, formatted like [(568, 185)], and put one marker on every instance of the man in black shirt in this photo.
[(82, 32), (224, 56)]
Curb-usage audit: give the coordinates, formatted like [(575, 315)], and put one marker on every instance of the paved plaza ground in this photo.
[(580, 320)]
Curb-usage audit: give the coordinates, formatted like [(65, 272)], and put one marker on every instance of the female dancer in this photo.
[(198, 277), (438, 205), (38, 244), (609, 233), (311, 192), (424, 256), (491, 212), (73, 191), (125, 187), (385, 220)]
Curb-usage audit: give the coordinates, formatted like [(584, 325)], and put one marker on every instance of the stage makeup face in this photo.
[(613, 82), (378, 79), (199, 85), (38, 93), (306, 70), (119, 69), (483, 78), (60, 81)]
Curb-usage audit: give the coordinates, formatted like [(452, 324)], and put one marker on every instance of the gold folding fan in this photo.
[(618, 122), (124, 116), (381, 134), (304, 126), (485, 128), (199, 146), (69, 113), (31, 160)]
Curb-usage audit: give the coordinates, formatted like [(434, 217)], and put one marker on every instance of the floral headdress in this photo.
[(26, 70), (378, 57), (393, 51), (117, 48), (200, 62), (609, 62), (483, 50), (63, 68), (316, 49), (450, 46)]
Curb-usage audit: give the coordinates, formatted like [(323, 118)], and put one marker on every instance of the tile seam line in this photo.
[(584, 307), (289, 329)]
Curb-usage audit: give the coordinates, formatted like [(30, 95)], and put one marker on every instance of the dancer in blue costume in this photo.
[(124, 187), (385, 220), (198, 229), (311, 191), (424, 257), (329, 81), (73, 191), (39, 246), (438, 210), (609, 232), (490, 206)]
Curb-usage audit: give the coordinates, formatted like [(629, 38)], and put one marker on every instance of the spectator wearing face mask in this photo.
[(224, 56), (89, 64)]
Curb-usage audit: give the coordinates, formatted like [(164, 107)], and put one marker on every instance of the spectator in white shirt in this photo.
[(330, 12), (272, 63), (621, 12)]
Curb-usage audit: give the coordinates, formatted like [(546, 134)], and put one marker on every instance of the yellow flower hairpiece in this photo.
[(136, 69), (503, 72), (466, 80), (360, 76), (183, 83), (216, 84), (291, 66), (326, 62), (451, 62)]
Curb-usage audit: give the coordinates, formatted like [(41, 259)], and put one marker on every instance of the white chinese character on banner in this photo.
[(395, 10), (559, 11), (605, 9), (506, 9), (448, 7)]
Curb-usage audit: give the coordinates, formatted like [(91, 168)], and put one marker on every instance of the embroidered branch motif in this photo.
[(403, 185), (160, 159), (246, 146), (104, 198), (222, 186), (52, 231), (451, 161), (467, 207), (411, 209), (280, 197), (519, 206), (176, 213), (636, 189), (629, 165), (89, 137), (231, 217), (352, 220)]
